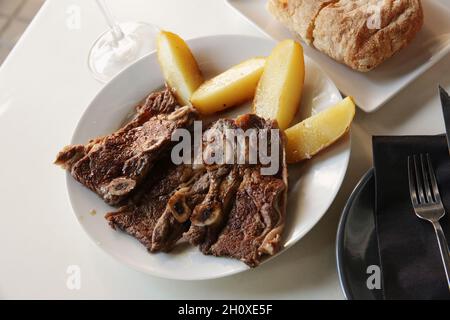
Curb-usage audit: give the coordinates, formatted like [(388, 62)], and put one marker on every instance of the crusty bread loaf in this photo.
[(298, 15), (342, 28)]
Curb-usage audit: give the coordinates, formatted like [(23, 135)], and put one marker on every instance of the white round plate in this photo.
[(313, 184)]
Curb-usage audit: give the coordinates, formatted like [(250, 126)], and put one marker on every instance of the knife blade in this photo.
[(445, 100)]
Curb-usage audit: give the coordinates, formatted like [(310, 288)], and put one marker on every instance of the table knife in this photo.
[(445, 100)]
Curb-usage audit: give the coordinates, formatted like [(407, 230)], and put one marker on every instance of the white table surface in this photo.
[(44, 88)]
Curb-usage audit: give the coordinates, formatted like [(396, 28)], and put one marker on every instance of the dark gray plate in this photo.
[(356, 245)]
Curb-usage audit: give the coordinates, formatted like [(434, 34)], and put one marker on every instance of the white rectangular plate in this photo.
[(373, 89)]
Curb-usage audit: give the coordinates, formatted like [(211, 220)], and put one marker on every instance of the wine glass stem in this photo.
[(112, 23)]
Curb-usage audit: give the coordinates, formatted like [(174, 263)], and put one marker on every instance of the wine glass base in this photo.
[(108, 56)]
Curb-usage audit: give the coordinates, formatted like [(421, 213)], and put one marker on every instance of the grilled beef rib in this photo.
[(256, 220), (113, 166), (147, 213), (209, 217), (227, 209), (253, 227)]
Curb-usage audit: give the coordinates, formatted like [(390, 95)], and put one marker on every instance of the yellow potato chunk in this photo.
[(280, 89), (230, 88), (314, 134), (178, 65)]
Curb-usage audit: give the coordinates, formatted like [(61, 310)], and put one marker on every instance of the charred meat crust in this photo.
[(209, 217), (225, 209), (242, 216), (256, 213), (147, 209), (161, 102), (113, 166), (148, 215), (256, 220)]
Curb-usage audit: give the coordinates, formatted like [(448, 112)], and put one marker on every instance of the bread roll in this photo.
[(360, 33)]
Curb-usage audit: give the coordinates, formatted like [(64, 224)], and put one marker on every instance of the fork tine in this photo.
[(412, 187), (418, 181), (426, 181), (433, 180)]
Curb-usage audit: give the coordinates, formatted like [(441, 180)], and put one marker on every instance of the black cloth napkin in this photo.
[(411, 264)]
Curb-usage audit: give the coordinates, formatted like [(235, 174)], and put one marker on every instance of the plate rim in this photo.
[(244, 268), (343, 281)]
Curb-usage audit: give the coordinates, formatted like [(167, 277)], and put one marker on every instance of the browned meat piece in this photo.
[(114, 165), (146, 208), (158, 214), (160, 102), (227, 209), (256, 220), (257, 203), (209, 217), (178, 211)]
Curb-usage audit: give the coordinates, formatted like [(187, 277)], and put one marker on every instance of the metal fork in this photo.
[(427, 202)]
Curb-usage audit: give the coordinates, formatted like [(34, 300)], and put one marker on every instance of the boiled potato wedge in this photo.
[(314, 134), (230, 88), (280, 89), (178, 65)]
